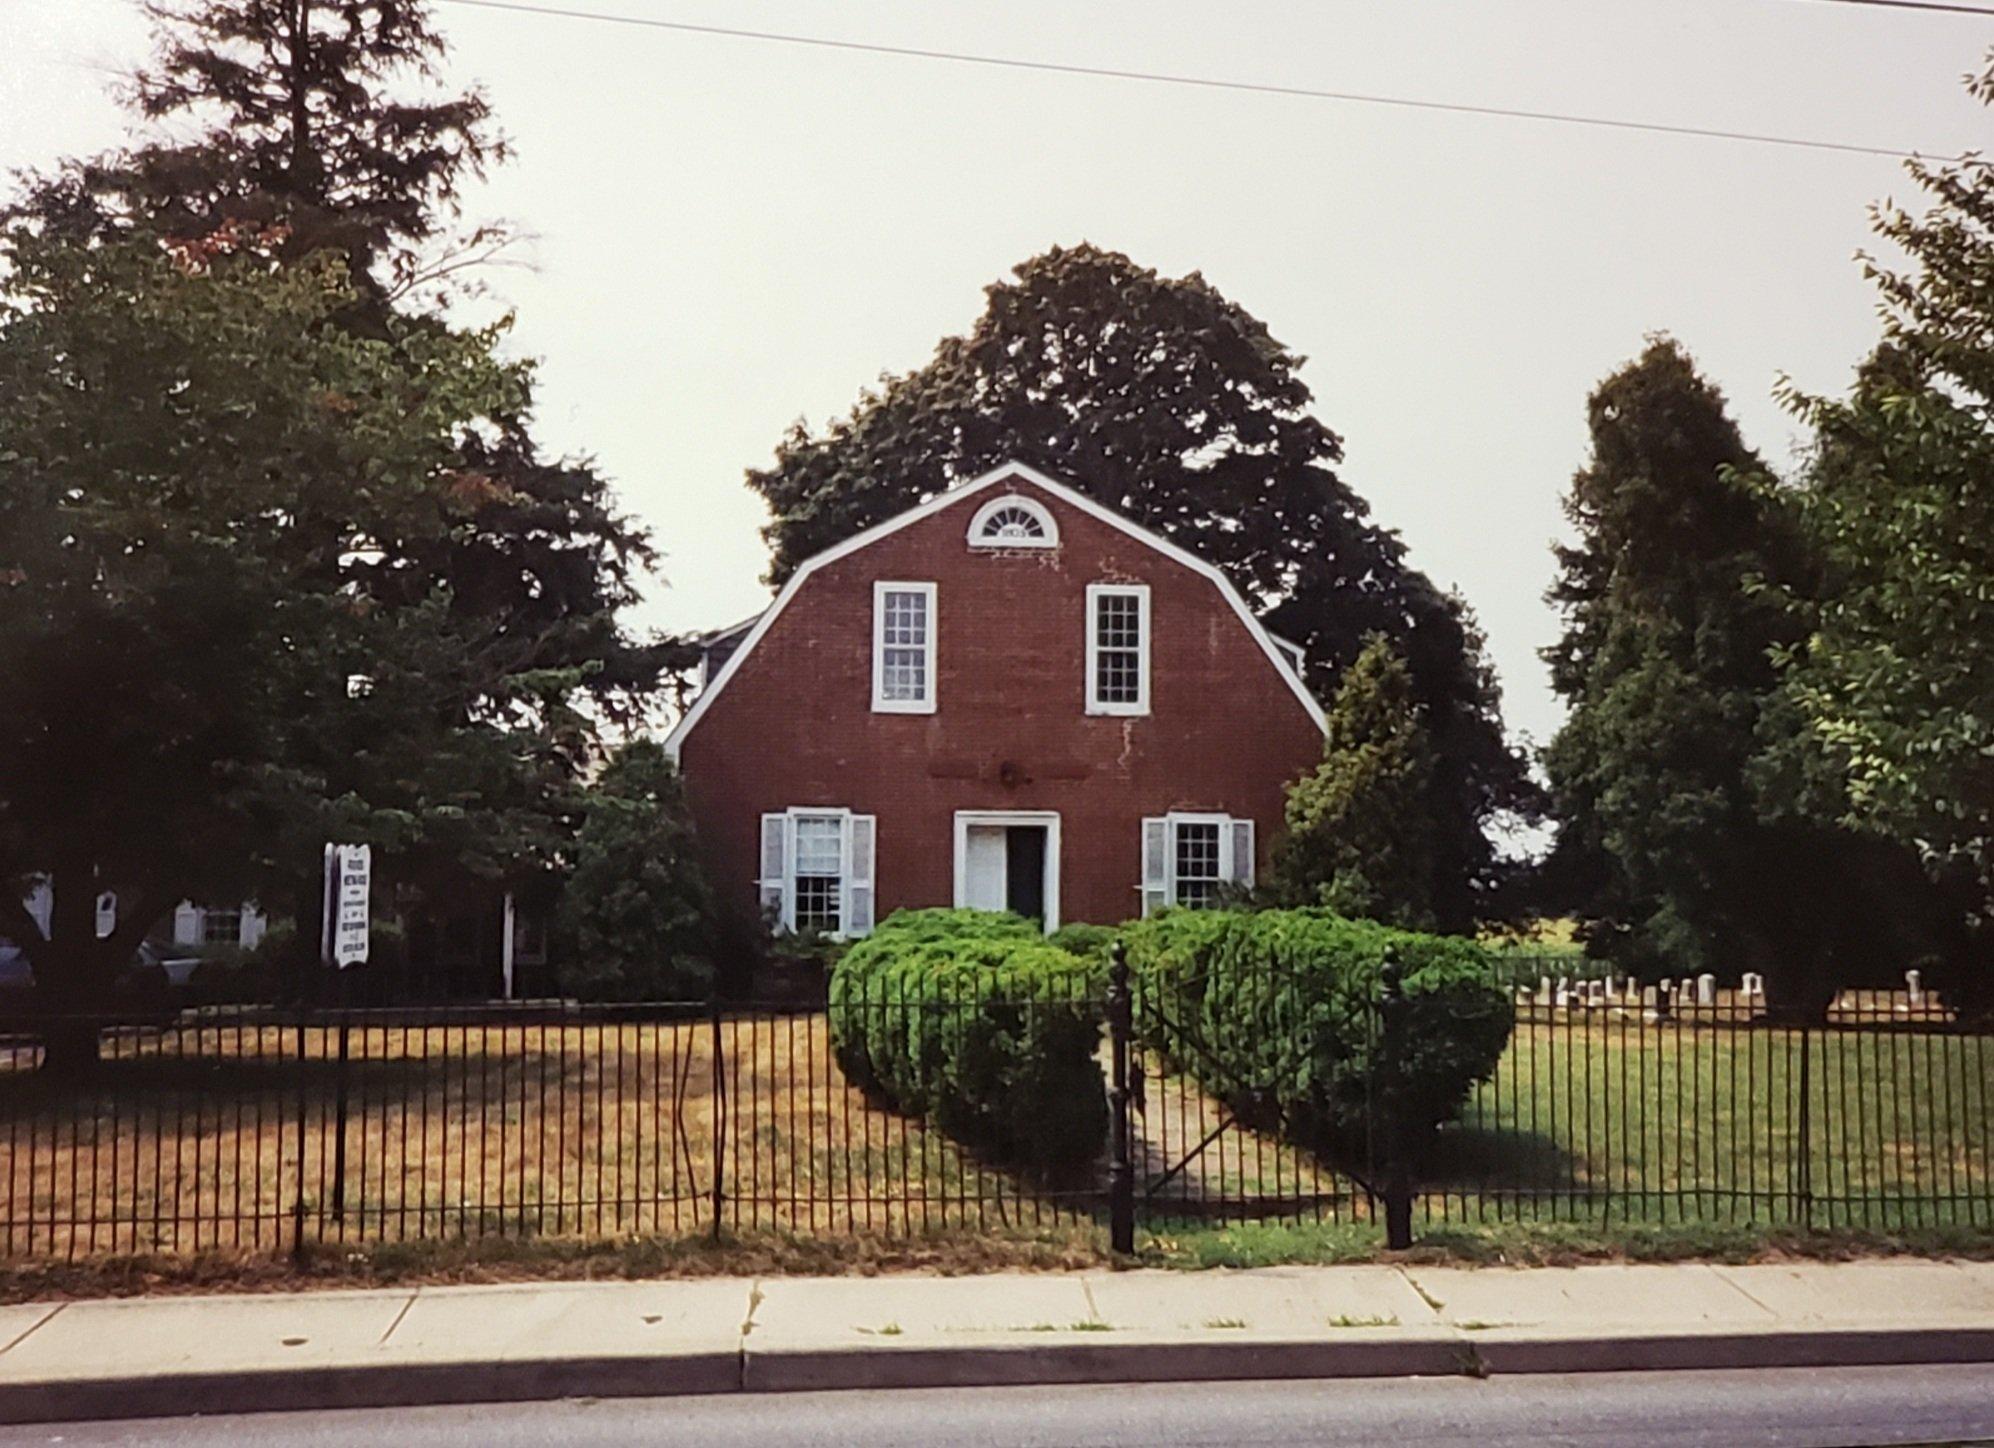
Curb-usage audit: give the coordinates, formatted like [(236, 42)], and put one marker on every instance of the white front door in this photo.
[(984, 862)]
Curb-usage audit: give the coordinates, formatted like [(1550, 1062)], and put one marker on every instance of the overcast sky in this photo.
[(733, 234)]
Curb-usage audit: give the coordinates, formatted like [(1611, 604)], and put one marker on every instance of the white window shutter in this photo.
[(253, 927), (1155, 865), (775, 854), (858, 880), (1242, 853), (186, 923)]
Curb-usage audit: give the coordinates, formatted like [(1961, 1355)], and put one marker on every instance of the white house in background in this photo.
[(194, 925)]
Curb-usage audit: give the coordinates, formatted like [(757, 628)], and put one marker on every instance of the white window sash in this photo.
[(1124, 707), (1161, 883), (773, 887), (861, 860), (930, 631), (858, 845), (1156, 845)]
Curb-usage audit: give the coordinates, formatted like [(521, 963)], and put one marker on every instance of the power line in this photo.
[(1201, 82), (1942, 6)]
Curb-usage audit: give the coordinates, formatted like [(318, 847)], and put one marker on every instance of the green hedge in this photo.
[(974, 1021), (1274, 1013)]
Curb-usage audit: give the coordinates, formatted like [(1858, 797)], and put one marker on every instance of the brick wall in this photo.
[(795, 727)]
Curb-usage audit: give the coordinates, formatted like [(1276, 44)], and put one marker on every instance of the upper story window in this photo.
[(1117, 648), (1013, 522), (903, 648)]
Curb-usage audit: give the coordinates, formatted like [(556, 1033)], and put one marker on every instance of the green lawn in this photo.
[(1603, 1117)]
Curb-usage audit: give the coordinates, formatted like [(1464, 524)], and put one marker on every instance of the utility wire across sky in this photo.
[(525, 7), (1945, 7)]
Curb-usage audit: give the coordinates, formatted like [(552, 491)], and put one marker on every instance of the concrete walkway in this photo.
[(160, 1356)]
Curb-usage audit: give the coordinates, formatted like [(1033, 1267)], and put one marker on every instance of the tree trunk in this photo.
[(1799, 978), (69, 1047), (71, 983)]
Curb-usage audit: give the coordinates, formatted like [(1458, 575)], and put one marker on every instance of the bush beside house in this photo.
[(1275, 1013), (978, 1023), (636, 917)]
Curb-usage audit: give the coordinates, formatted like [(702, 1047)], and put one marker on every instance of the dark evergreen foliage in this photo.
[(1360, 825), (636, 912), (1683, 841)]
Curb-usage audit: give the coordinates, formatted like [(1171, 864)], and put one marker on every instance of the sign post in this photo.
[(349, 873), (348, 885)]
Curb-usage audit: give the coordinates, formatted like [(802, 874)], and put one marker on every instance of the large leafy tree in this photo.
[(1165, 400), (1894, 689), (307, 128), (203, 484), (1360, 825)]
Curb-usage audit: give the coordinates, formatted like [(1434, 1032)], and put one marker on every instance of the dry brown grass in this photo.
[(192, 1140)]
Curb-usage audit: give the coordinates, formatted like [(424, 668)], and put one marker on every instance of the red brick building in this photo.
[(1007, 697)]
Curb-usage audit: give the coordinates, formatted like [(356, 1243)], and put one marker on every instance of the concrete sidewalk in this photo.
[(139, 1357)]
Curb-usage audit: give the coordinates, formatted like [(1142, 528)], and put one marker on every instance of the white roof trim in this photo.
[(1002, 473)]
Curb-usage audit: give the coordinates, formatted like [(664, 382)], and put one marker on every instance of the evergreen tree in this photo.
[(1175, 406), (304, 128), (1664, 663), (1683, 818), (636, 914), (1361, 825)]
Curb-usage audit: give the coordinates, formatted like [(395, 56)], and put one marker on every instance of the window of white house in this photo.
[(903, 648), (221, 927), (1013, 522), (817, 871), (1117, 648), (1190, 859)]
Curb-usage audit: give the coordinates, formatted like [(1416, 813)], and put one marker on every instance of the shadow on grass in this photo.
[(1462, 1158)]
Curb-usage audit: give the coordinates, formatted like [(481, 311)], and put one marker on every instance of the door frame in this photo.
[(1049, 818)]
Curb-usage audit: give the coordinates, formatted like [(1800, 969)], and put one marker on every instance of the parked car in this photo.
[(172, 961)]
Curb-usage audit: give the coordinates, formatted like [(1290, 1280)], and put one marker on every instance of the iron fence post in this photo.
[(298, 1201), (1121, 1173), (1398, 1164), (345, 993), (719, 1155), (1803, 1175)]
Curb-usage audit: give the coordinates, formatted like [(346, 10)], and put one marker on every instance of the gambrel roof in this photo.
[(1283, 661)]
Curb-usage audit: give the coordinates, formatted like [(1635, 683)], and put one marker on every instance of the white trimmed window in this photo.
[(817, 871), (903, 648), (1190, 859), (1013, 522), (1117, 648)]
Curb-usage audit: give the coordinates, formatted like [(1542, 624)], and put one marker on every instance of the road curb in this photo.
[(808, 1369), (1501, 1353), (1453, 1353)]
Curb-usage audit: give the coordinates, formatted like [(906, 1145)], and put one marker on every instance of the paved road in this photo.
[(1812, 1407)]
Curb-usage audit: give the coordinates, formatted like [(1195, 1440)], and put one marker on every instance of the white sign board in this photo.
[(348, 875)]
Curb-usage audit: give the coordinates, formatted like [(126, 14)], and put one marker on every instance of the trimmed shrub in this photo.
[(1089, 942), (1275, 1013), (976, 1022)]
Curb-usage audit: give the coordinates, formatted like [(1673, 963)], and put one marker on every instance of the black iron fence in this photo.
[(244, 1127)]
